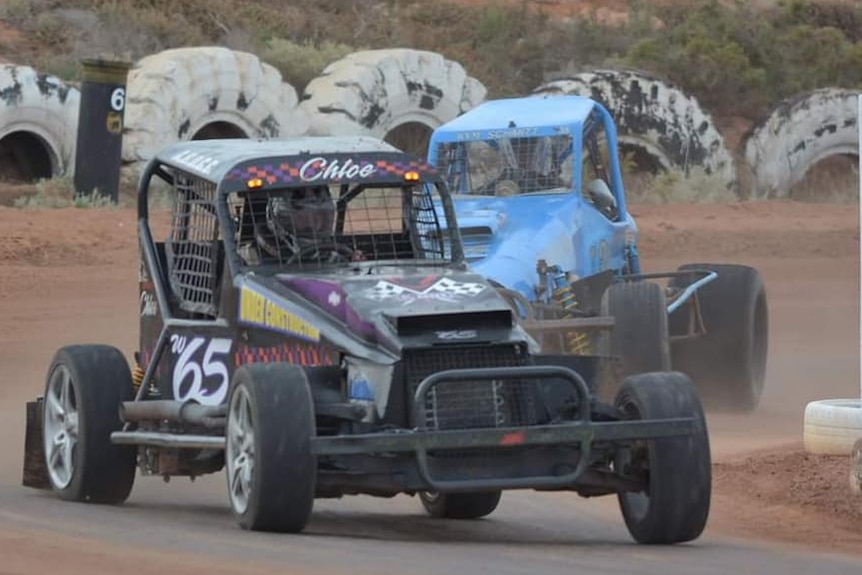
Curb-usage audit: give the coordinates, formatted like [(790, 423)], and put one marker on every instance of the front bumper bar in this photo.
[(580, 433)]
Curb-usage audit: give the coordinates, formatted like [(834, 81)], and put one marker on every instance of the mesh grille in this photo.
[(193, 244), (363, 224), (507, 166), (472, 404)]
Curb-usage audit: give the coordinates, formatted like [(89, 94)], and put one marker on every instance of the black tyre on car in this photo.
[(83, 391), (271, 471), (460, 505), (674, 505), (728, 363), (639, 338)]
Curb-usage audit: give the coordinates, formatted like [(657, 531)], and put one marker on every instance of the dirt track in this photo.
[(69, 276)]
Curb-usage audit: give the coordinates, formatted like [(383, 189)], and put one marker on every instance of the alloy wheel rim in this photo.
[(61, 427), (239, 451)]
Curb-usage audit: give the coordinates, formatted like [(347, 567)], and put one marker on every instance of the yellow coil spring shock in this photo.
[(578, 342), (137, 376)]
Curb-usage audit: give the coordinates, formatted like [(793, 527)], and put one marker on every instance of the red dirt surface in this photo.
[(765, 487), (790, 495)]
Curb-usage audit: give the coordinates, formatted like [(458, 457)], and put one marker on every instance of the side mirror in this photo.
[(601, 195)]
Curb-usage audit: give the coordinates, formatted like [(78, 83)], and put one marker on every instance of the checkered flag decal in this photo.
[(384, 290), (450, 286)]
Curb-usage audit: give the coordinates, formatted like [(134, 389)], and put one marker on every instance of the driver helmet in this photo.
[(301, 218)]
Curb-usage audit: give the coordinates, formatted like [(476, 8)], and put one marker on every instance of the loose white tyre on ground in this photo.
[(38, 124), (656, 119), (856, 469), (399, 95), (206, 93), (798, 133), (832, 426)]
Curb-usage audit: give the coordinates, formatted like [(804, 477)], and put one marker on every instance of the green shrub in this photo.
[(59, 192), (16, 11), (674, 186), (301, 63)]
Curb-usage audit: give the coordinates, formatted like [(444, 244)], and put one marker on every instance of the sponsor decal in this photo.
[(455, 335), (195, 161), (330, 169), (149, 307), (257, 309)]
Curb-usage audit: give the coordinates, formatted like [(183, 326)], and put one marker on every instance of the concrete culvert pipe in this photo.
[(38, 124), (661, 125), (399, 95), (796, 135), (206, 93)]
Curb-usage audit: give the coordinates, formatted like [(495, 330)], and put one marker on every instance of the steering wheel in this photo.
[(332, 247), (510, 178)]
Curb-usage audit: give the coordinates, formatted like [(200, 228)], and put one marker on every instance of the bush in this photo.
[(299, 64), (59, 192), (675, 186)]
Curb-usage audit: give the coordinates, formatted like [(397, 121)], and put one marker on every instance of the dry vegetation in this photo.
[(738, 58)]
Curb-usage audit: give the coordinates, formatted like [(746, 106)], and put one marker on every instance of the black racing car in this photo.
[(310, 326)]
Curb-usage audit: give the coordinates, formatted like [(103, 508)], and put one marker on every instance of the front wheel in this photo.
[(460, 505), (271, 471), (639, 338), (83, 392), (674, 504)]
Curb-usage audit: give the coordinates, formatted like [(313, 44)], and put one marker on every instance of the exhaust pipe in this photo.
[(183, 412)]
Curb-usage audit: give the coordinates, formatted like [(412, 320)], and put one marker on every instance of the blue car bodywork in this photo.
[(506, 235)]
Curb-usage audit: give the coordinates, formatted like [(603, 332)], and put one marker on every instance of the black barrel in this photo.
[(100, 127)]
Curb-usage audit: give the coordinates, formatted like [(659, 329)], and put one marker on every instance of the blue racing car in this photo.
[(541, 211)]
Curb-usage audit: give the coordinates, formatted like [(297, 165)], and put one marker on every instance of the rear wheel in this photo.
[(83, 392), (674, 505), (460, 505), (271, 471), (728, 363)]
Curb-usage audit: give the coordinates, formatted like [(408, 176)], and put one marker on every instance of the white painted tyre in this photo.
[(798, 133), (832, 426), (399, 95), (203, 93), (856, 469), (655, 117), (38, 124)]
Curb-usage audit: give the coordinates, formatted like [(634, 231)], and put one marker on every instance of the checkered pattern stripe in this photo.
[(450, 286), (295, 353), (384, 289), (401, 168)]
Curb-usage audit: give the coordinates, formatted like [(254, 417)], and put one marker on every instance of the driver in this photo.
[(299, 222)]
